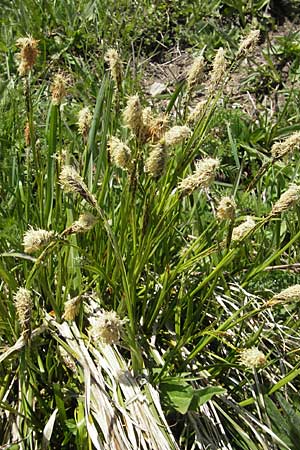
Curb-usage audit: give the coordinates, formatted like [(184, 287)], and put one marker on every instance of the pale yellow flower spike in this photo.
[(252, 358), (34, 240), (28, 54)]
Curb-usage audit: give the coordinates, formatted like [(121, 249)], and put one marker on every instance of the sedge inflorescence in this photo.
[(252, 358), (290, 294), (133, 115), (239, 232), (85, 223), (219, 70), (84, 121), (72, 308), (202, 177), (119, 153), (226, 208), (71, 181), (113, 59), (156, 161), (58, 88), (195, 72), (248, 43), (286, 147), (34, 240), (176, 135), (107, 327), (28, 54), (23, 304), (288, 199)]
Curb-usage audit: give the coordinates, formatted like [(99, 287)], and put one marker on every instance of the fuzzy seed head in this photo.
[(197, 112), (291, 294), (120, 153), (71, 181), (34, 240), (226, 208), (115, 65), (107, 327), (85, 223), (288, 146), (84, 121), (72, 308), (252, 358), (241, 230), (176, 135), (201, 178), (23, 304), (288, 199), (154, 127), (156, 162), (248, 43), (58, 88), (195, 72), (28, 54), (133, 115), (219, 69)]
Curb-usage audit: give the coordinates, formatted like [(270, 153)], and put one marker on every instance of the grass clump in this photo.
[(148, 249)]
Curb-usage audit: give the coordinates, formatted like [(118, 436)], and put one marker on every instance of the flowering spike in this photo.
[(291, 294), (115, 66), (176, 135), (120, 153), (226, 208), (107, 327), (195, 72), (252, 358), (34, 240), (156, 162), (287, 199), (241, 230), (28, 54), (202, 177), (23, 304)]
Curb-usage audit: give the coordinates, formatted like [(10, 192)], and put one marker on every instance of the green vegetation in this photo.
[(149, 250)]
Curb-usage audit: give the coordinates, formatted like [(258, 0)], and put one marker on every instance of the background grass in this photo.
[(154, 256)]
